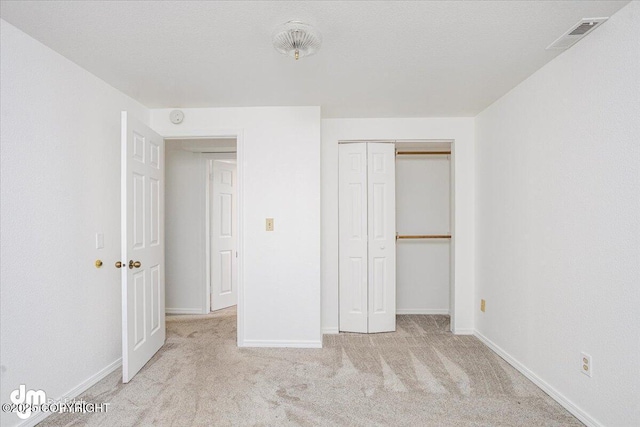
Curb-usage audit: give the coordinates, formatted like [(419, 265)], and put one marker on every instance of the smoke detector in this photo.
[(575, 33)]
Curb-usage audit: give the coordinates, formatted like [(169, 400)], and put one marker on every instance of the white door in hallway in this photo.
[(367, 250), (142, 207), (224, 271)]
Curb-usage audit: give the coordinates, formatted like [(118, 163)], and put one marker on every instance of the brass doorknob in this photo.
[(135, 264), (118, 264)]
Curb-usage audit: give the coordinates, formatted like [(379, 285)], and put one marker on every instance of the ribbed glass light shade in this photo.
[(296, 39)]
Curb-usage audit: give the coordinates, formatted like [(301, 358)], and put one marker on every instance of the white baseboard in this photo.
[(183, 311), (280, 344), (331, 330), (422, 311), (463, 331), (555, 395), (75, 392)]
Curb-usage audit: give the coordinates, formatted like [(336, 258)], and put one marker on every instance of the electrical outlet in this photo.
[(585, 362), (269, 224), (482, 305)]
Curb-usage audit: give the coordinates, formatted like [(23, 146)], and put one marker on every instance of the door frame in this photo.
[(207, 228), (221, 134)]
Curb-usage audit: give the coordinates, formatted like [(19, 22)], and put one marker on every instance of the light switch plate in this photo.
[(99, 241), (269, 224)]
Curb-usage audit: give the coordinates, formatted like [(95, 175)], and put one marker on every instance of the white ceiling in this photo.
[(378, 59)]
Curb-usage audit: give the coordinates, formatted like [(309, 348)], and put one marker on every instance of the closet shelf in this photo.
[(422, 153), (423, 236)]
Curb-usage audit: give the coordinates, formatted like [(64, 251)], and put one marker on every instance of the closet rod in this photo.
[(424, 236), (422, 153)]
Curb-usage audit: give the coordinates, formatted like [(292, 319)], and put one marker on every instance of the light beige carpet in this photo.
[(420, 375)]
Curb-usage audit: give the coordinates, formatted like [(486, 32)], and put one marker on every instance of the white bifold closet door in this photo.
[(367, 223)]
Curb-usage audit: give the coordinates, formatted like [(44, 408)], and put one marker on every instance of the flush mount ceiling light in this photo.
[(296, 39)]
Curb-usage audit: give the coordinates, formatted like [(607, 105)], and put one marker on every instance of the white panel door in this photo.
[(142, 206), (382, 236), (224, 271), (353, 260)]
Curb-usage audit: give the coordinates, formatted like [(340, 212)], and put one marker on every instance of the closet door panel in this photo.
[(382, 237), (353, 258)]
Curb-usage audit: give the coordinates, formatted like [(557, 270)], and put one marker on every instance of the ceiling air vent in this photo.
[(578, 31)]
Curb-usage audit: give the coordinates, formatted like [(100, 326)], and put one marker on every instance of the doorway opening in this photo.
[(164, 224), (203, 206)]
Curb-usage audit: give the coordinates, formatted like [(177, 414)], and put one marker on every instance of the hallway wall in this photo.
[(185, 198)]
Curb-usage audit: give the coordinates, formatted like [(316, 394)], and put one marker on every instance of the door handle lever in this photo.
[(135, 264)]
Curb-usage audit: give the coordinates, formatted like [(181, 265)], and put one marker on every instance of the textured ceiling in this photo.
[(378, 59)]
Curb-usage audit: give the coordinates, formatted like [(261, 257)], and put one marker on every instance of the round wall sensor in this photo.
[(176, 116)]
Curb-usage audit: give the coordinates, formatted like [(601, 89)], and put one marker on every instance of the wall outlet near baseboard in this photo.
[(482, 305), (585, 362)]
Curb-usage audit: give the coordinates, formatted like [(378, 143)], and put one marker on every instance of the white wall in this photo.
[(279, 177), (558, 223), (461, 130), (423, 201), (60, 169), (185, 234)]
